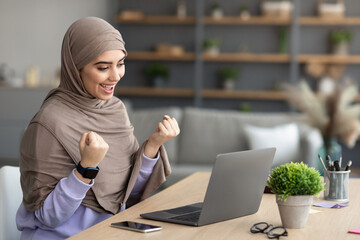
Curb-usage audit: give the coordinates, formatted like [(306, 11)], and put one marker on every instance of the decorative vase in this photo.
[(332, 148), (294, 211)]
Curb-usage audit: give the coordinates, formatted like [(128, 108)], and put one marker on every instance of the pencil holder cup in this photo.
[(337, 185)]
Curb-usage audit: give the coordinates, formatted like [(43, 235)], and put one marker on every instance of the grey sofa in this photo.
[(207, 132)]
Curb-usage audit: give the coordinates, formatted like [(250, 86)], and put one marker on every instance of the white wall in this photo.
[(31, 31)]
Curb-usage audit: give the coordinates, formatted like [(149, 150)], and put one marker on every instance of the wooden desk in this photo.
[(328, 224)]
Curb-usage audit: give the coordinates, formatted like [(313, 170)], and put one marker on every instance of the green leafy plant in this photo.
[(157, 70), (295, 179), (229, 73), (244, 8), (342, 35), (215, 6), (211, 42)]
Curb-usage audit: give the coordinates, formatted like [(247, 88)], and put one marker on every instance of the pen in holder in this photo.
[(337, 185)]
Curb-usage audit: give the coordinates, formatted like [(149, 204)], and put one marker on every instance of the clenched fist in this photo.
[(92, 149), (165, 130)]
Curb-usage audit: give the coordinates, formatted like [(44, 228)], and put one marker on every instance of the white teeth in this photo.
[(107, 86)]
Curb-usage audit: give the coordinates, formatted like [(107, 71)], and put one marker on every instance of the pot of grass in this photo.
[(158, 74), (340, 40), (295, 184), (211, 46), (228, 76)]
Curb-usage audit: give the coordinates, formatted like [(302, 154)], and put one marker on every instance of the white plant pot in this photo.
[(295, 211), (229, 84), (217, 13), (212, 51), (245, 15), (341, 48)]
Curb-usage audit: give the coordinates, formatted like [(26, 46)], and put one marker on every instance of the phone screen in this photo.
[(136, 226)]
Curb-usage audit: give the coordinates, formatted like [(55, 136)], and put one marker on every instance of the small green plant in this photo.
[(342, 35), (215, 6), (157, 70), (244, 8), (295, 179), (211, 42), (229, 73)]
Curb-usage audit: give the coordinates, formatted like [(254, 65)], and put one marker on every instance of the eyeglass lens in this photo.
[(269, 230)]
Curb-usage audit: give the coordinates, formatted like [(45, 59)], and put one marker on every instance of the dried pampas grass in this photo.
[(335, 115)]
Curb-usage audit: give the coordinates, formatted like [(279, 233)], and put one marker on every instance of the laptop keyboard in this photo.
[(182, 210), (191, 217)]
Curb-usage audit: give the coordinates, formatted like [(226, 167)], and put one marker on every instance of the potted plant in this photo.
[(244, 12), (340, 40), (295, 184), (211, 46), (158, 73), (228, 77), (216, 11)]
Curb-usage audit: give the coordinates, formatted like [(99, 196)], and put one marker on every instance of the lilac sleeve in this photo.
[(68, 194), (145, 173), (63, 201)]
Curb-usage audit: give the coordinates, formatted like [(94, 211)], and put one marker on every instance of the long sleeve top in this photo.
[(62, 214)]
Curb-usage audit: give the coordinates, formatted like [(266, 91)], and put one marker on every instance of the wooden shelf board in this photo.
[(157, 20), (154, 92), (244, 94), (160, 56), (257, 20), (329, 21), (327, 58), (247, 57)]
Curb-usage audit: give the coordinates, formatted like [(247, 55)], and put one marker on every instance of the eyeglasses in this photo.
[(271, 231)]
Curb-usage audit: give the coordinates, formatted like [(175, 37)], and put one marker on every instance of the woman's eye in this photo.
[(121, 64), (102, 68)]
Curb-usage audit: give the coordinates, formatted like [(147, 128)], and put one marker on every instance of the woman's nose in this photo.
[(115, 75)]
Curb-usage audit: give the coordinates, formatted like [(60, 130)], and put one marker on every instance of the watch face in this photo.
[(91, 173)]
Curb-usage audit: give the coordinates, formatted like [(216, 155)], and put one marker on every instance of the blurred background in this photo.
[(223, 55)]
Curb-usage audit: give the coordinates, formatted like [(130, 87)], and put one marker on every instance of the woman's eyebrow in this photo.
[(105, 62), (102, 62)]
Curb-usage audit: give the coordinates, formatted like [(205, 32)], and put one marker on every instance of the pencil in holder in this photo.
[(337, 186)]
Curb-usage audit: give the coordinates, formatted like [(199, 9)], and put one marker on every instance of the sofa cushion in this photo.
[(145, 121), (285, 138), (208, 132)]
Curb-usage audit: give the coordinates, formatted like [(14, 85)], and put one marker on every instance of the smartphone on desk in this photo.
[(136, 226)]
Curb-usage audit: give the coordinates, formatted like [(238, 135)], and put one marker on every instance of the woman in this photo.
[(80, 162)]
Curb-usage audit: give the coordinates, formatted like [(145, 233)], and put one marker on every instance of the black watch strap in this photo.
[(89, 173)]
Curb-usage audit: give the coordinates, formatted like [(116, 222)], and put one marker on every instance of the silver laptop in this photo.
[(235, 189)]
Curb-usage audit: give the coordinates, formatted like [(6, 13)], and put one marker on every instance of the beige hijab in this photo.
[(67, 112)]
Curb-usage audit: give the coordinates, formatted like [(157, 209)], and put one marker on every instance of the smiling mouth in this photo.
[(107, 88)]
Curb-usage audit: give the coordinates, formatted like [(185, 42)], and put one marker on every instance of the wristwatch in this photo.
[(89, 173)]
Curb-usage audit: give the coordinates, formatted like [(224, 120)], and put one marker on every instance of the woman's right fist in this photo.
[(93, 149)]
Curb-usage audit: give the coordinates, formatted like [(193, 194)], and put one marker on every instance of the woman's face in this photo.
[(102, 74)]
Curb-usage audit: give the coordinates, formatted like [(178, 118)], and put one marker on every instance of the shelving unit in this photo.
[(329, 21), (157, 20), (154, 92), (247, 57), (205, 93), (327, 58), (291, 61), (160, 56), (255, 20)]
